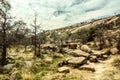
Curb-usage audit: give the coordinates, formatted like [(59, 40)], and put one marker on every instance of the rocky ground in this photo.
[(77, 64)]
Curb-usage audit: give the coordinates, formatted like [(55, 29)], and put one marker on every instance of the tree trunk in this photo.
[(4, 52), (39, 49), (35, 45), (3, 62)]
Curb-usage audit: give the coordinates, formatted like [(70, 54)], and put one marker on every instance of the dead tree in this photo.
[(36, 29)]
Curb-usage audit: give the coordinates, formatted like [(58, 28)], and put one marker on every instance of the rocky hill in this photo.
[(112, 21), (88, 49)]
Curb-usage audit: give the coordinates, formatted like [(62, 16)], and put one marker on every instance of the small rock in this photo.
[(63, 70), (8, 67), (87, 67), (85, 48), (114, 51), (58, 55), (93, 58), (48, 59)]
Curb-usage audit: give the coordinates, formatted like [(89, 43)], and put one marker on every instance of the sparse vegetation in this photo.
[(89, 49)]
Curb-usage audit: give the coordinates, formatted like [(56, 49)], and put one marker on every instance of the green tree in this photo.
[(4, 27)]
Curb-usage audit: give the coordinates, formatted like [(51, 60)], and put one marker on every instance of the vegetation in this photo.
[(35, 54)]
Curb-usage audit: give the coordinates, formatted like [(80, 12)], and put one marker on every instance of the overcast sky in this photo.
[(59, 13)]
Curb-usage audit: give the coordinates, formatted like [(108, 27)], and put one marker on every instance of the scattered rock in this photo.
[(93, 58), (87, 67), (63, 70), (56, 55), (114, 51), (48, 59), (85, 48)]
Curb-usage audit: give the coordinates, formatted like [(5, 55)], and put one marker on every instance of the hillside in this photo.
[(88, 49), (112, 21)]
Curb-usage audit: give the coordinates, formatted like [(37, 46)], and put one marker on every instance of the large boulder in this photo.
[(63, 70), (85, 48), (79, 53), (73, 62)]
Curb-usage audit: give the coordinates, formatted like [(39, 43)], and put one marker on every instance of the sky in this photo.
[(54, 14)]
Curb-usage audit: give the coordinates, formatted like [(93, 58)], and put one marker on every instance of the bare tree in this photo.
[(36, 28)]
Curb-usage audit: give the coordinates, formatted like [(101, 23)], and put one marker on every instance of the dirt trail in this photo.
[(100, 69)]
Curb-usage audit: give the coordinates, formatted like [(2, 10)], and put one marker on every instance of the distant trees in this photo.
[(54, 36), (42, 39), (11, 33)]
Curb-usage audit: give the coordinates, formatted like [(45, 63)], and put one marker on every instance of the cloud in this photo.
[(60, 13)]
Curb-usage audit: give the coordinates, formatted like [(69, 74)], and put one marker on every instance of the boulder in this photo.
[(85, 48), (79, 53), (64, 62), (77, 61), (87, 67), (114, 51), (63, 70)]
